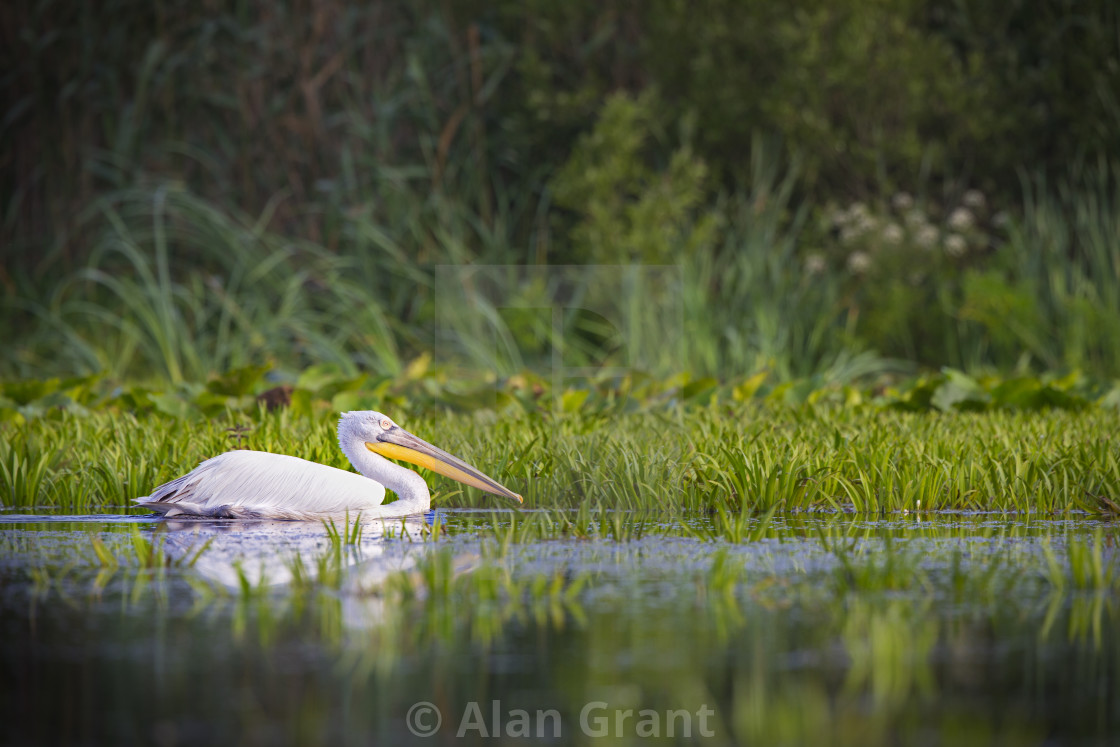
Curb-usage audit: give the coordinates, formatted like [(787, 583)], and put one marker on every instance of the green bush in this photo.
[(626, 210)]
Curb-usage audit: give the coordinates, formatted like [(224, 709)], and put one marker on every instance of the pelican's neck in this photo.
[(409, 486)]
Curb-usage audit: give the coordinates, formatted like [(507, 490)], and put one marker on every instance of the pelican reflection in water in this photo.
[(260, 485), (269, 554)]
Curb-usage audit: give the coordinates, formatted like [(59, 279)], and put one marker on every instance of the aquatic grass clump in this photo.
[(143, 550), (27, 469), (728, 526), (351, 534)]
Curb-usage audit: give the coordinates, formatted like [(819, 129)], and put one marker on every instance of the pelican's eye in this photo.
[(386, 424)]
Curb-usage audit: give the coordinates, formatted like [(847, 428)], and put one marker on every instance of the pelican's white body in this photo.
[(261, 485), (257, 484)]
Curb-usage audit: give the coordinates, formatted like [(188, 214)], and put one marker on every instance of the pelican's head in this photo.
[(385, 438)]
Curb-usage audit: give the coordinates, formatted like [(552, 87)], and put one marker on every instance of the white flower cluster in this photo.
[(859, 262), (906, 223), (815, 264), (855, 223)]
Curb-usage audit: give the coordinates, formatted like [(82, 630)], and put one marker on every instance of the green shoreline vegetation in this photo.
[(831, 206)]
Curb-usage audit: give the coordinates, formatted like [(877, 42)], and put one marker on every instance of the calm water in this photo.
[(825, 630)]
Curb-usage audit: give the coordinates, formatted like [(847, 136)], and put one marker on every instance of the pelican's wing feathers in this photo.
[(257, 484)]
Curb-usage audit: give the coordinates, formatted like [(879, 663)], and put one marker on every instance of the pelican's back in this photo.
[(257, 484)]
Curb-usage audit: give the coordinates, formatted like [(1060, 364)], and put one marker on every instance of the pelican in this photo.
[(259, 485)]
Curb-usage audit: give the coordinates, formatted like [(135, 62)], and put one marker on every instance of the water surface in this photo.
[(821, 629)]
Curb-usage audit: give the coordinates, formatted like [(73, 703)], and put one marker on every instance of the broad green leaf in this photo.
[(750, 387), (572, 400), (959, 392)]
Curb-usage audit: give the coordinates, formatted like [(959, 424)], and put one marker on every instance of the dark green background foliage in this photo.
[(189, 187)]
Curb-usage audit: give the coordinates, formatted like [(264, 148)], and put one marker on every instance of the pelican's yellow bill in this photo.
[(441, 462)]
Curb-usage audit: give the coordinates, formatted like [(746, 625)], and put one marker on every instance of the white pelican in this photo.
[(259, 485)]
